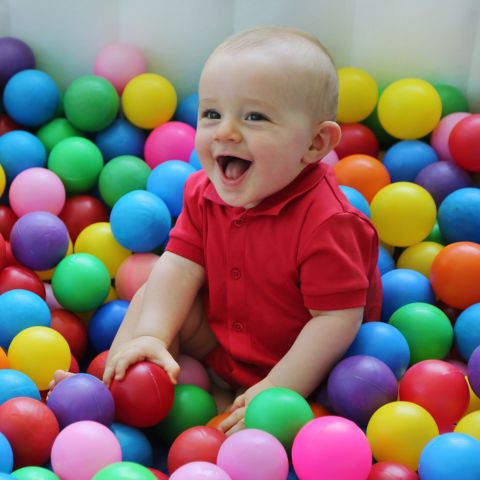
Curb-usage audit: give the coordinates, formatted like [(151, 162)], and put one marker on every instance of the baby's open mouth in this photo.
[(233, 167)]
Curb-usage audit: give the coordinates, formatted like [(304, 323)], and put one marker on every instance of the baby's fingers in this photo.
[(234, 422), (171, 367)]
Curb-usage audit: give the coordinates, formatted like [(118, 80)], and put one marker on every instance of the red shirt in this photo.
[(303, 248)]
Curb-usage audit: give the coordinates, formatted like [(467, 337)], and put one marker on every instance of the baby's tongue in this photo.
[(235, 168)]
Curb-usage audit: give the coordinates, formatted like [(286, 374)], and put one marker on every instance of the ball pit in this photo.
[(136, 447), (55, 131), (357, 138), (133, 273), (72, 329), (419, 257), (441, 134)]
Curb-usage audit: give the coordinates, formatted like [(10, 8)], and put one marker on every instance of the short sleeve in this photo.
[(337, 260)]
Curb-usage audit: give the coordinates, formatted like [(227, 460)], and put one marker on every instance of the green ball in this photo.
[(124, 471), (78, 162), (55, 131), (122, 175), (192, 406), (453, 100), (279, 411), (426, 328), (91, 103), (34, 473), (81, 282), (436, 235)]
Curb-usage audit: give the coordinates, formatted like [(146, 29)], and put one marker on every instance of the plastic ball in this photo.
[(357, 138), (144, 397), (55, 131), (31, 428), (356, 199), (15, 277), (322, 445), (469, 424), (279, 411), (7, 220), (473, 370), (97, 366), (136, 446), (419, 257), (91, 103), (254, 455), (441, 134), (96, 447), (217, 419), (427, 330), (20, 150), (3, 359), (200, 471), (78, 162), (15, 56), (463, 143), (119, 63), (357, 94), (192, 372), (124, 471), (452, 456), (31, 97), (474, 402), (385, 260), (409, 108), (453, 100), (331, 158), (391, 471), (149, 100), (196, 444), (72, 329), (373, 122), (133, 273), (140, 221), (81, 282), (167, 181), (454, 274), (34, 473), (187, 110), (467, 334), (7, 124), (16, 384)]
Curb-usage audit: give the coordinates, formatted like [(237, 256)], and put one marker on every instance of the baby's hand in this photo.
[(140, 349)]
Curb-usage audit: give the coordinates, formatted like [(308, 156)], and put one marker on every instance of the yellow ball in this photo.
[(98, 240), (357, 95), (470, 424), (419, 257), (409, 108), (398, 432), (403, 213), (3, 180), (38, 352), (149, 100), (46, 275)]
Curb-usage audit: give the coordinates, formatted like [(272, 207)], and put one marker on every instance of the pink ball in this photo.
[(36, 189), (82, 449), (192, 372), (439, 137), (119, 63), (253, 454), (331, 447), (330, 158), (133, 273), (170, 141), (52, 302), (199, 471)]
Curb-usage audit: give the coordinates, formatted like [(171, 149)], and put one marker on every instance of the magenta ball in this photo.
[(253, 454), (199, 471), (331, 447), (192, 372), (330, 158), (439, 137), (170, 141)]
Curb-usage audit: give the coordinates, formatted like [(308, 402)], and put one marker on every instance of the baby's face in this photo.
[(252, 132)]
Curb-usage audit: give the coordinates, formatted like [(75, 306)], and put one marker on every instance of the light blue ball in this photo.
[(194, 160), (167, 181), (140, 221), (458, 216), (187, 110), (16, 384), (385, 260), (466, 331), (20, 150), (6, 455), (21, 309), (31, 98), (134, 444), (356, 199)]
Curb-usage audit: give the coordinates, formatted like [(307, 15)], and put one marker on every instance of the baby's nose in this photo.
[(228, 131)]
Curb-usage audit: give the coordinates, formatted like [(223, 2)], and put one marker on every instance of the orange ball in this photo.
[(3, 359), (217, 420), (454, 274), (318, 410), (362, 172)]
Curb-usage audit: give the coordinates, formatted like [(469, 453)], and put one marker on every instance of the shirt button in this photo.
[(235, 273), (237, 327), (239, 222)]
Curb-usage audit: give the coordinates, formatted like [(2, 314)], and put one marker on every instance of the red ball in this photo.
[(72, 329), (97, 365), (3, 252), (195, 444), (7, 124), (7, 220), (80, 211), (158, 474), (74, 367), (464, 143), (144, 397), (9, 257), (391, 471), (31, 428), (357, 138), (14, 277)]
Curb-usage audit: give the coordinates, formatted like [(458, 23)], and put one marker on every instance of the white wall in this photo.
[(438, 40)]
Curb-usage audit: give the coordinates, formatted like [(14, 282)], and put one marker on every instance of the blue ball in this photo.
[(385, 260), (16, 384), (385, 342), (21, 309), (6, 455), (451, 456), (194, 161), (167, 181), (140, 221), (134, 444), (6, 476), (20, 150), (458, 217), (356, 199), (105, 323), (31, 98), (466, 331), (402, 286), (187, 110), (121, 138), (407, 158)]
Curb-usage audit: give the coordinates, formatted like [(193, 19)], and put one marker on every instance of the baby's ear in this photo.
[(327, 134)]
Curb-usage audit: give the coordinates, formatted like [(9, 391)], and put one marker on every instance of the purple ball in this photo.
[(82, 397), (360, 385), (39, 240), (473, 371), (15, 56), (443, 178)]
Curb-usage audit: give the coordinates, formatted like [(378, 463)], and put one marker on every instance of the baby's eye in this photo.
[(255, 117), (211, 114)]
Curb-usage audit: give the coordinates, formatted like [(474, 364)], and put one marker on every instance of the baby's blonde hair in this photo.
[(318, 81)]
